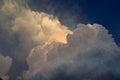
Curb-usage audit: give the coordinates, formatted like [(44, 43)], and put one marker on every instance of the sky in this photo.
[(59, 39)]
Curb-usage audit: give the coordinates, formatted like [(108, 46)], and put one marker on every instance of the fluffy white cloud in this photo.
[(26, 28), (5, 64), (38, 27), (90, 53), (21, 29)]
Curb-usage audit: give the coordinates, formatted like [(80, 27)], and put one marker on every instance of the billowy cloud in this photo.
[(29, 28), (51, 50), (21, 29), (90, 54), (5, 64)]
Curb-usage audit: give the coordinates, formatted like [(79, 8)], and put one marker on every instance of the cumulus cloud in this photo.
[(27, 28), (21, 29), (53, 51), (5, 64), (90, 54)]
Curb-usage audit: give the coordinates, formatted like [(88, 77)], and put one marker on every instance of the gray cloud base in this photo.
[(5, 64), (90, 54)]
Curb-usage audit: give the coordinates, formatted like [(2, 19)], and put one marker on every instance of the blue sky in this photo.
[(105, 12)]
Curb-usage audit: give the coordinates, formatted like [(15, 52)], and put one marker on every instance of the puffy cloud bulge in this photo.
[(27, 28), (90, 54)]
